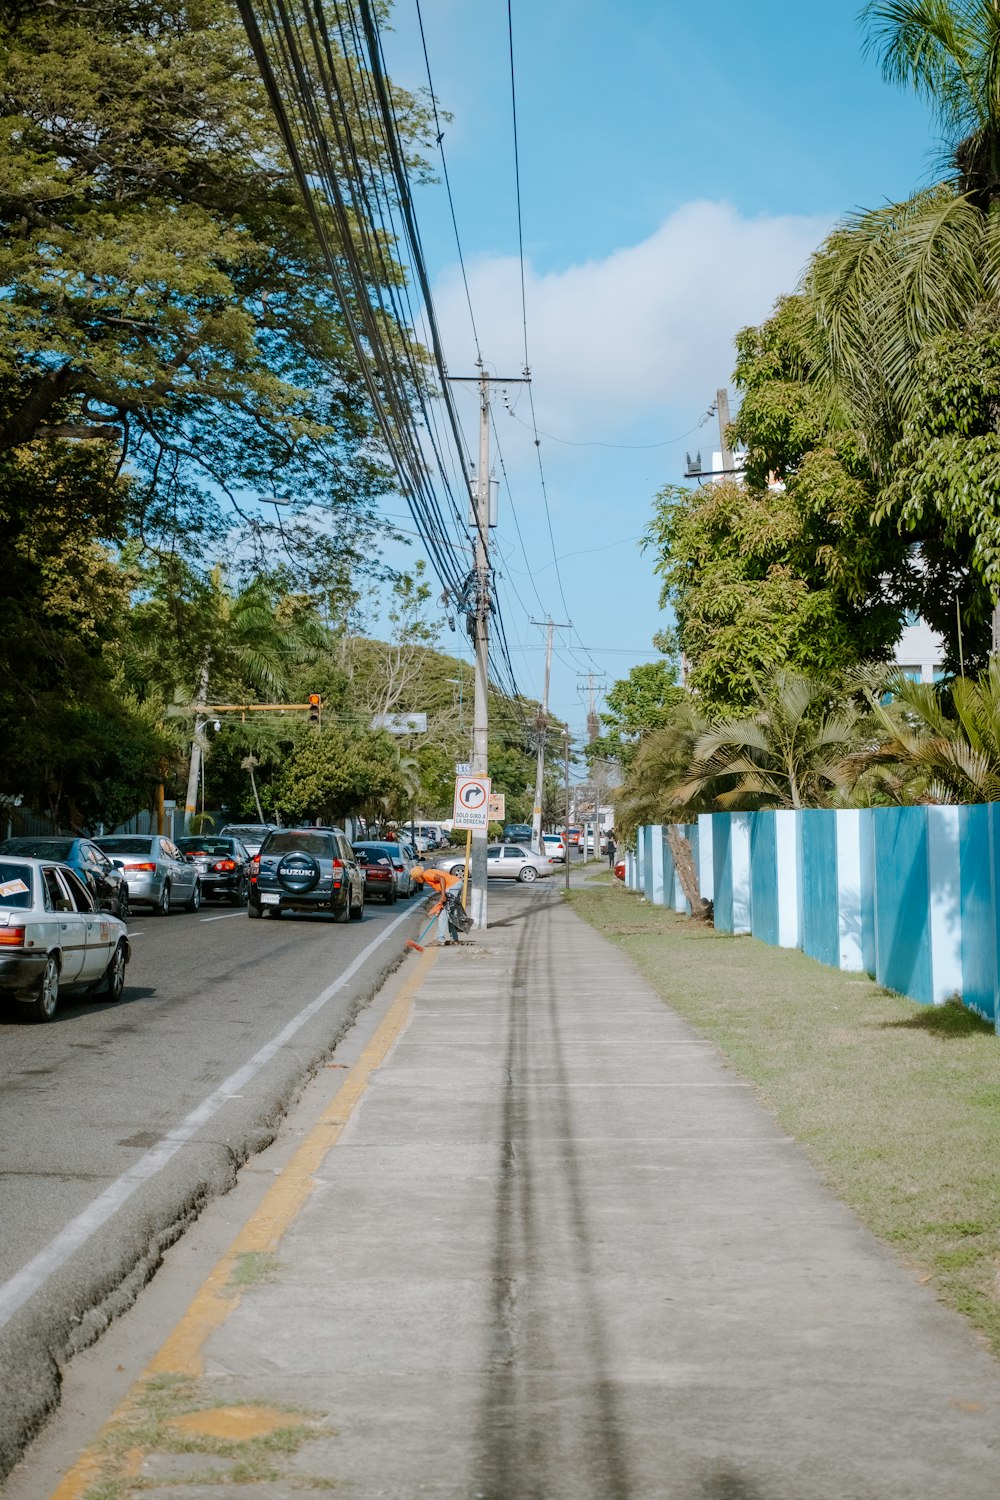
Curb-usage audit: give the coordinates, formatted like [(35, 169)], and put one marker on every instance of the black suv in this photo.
[(306, 869)]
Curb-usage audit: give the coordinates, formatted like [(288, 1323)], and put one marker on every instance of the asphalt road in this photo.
[(117, 1122)]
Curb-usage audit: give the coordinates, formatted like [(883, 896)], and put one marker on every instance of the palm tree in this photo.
[(928, 754), (792, 750), (888, 282), (661, 764)]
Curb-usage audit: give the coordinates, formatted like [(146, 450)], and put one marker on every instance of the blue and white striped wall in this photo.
[(910, 895)]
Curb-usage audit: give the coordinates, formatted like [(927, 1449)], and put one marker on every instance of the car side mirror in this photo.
[(119, 864)]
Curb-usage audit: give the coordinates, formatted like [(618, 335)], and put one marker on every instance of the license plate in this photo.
[(268, 898), (201, 867)]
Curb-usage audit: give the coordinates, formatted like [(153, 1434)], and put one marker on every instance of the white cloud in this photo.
[(651, 326)]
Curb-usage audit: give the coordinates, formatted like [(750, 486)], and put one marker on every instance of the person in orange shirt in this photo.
[(442, 882)]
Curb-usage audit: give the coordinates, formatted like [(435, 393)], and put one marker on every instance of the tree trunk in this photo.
[(194, 767), (680, 853), (24, 421)]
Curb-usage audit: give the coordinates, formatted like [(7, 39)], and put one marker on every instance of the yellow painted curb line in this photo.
[(182, 1353)]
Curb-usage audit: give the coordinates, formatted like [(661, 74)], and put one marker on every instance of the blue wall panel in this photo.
[(763, 877), (646, 847), (722, 859), (820, 912), (867, 840), (978, 931), (902, 902)]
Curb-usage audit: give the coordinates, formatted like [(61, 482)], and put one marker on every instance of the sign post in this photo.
[(472, 812)]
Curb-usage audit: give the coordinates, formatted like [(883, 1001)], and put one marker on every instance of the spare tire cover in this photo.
[(298, 873)]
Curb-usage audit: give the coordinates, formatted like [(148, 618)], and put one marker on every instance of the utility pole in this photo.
[(566, 830), (543, 720), (480, 623), (722, 406)]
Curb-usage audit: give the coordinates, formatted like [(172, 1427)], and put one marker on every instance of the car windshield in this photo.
[(126, 844), (15, 885), (39, 848), (204, 846), (319, 844)]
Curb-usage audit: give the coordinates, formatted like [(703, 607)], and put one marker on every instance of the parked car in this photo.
[(158, 875), (509, 862), (307, 869), (619, 866), (53, 937), (387, 870), (518, 833), (250, 835), (104, 880), (555, 849), (223, 866)]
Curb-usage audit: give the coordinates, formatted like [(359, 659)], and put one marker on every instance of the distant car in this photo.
[(619, 866), (223, 866), (52, 937), (573, 837), (158, 875), (518, 833), (387, 870), (250, 835), (509, 862), (307, 870), (105, 881), (555, 849)]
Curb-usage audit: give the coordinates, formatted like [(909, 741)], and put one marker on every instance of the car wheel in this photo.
[(162, 907), (390, 897), (458, 870), (121, 911), (527, 875), (254, 909), (113, 983), (341, 913), (240, 895), (46, 998), (194, 904), (357, 912)]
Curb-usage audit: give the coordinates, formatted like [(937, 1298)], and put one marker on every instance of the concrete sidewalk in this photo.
[(561, 1253)]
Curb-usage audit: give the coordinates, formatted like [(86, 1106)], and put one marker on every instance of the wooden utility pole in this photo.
[(566, 829), (481, 621), (537, 842)]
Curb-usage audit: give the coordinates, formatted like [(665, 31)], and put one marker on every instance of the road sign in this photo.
[(498, 802), (472, 802)]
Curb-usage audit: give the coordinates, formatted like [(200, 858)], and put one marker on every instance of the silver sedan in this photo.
[(508, 862), (158, 875), (52, 936)]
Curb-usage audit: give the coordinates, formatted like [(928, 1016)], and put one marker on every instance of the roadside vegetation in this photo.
[(896, 1107), (868, 429)]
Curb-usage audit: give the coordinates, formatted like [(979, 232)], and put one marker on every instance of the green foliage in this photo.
[(163, 286), (642, 701), (939, 744), (331, 776)]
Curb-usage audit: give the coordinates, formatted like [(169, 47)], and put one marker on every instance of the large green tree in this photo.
[(163, 289)]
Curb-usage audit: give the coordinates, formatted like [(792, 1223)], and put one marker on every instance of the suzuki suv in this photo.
[(306, 869)]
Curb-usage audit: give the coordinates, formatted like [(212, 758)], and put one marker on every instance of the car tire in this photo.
[(162, 907), (357, 912), (458, 870), (112, 984), (341, 913), (390, 897), (254, 909), (527, 875), (240, 894), (194, 904), (43, 1007), (121, 910)]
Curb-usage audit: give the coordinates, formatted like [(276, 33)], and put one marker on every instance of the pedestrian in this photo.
[(444, 883), (612, 848)]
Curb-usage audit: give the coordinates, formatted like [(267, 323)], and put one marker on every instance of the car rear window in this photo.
[(15, 885), (40, 848), (319, 844), (125, 844), (204, 846), (377, 851), (247, 830)]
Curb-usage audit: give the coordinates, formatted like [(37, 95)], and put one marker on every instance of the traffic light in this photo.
[(315, 704)]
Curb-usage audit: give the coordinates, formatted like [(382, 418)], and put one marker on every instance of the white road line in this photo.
[(16, 1292), (224, 916)]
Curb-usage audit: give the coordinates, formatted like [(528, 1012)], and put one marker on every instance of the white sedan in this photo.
[(509, 862), (52, 936)]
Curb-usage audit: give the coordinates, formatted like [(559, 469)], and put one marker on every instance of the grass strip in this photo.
[(896, 1104)]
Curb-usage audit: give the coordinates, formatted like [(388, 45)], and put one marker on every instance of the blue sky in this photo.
[(678, 164)]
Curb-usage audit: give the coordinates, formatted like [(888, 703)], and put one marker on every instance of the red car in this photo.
[(573, 837), (619, 867)]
